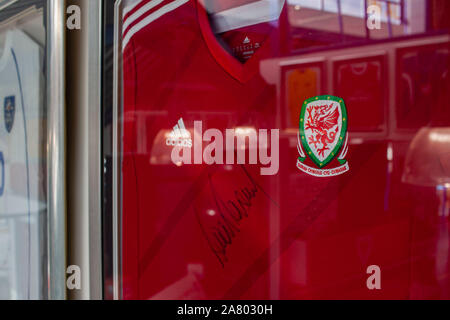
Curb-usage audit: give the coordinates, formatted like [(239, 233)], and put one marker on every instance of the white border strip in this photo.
[(247, 15), (299, 146), (344, 149)]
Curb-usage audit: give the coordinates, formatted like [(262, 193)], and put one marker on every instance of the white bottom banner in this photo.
[(323, 172)]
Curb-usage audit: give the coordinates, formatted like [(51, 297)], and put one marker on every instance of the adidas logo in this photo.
[(246, 40), (179, 136)]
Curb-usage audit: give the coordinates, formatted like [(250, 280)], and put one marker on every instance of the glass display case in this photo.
[(271, 149)]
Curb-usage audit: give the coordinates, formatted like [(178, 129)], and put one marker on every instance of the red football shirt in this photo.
[(176, 67), (361, 85), (197, 231)]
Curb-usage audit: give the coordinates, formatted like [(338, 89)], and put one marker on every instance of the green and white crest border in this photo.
[(341, 145)]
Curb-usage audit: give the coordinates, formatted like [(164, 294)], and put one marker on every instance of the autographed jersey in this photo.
[(21, 147), (208, 224), (175, 67)]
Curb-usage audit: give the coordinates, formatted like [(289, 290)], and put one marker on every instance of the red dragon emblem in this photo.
[(321, 120), (323, 137)]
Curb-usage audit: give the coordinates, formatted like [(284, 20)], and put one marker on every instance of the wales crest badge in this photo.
[(323, 137)]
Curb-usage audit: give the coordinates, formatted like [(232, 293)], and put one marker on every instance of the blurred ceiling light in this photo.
[(390, 153), (428, 158), (439, 137)]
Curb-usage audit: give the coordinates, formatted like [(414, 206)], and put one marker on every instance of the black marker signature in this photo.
[(230, 212)]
